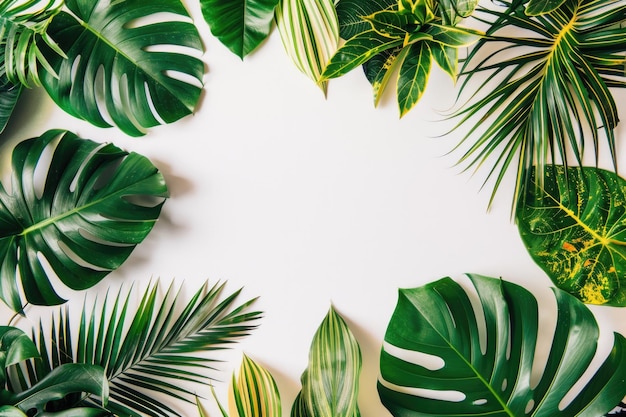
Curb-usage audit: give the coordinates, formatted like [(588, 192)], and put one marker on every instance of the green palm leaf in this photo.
[(445, 357), (552, 87), (330, 384), (240, 25), (23, 25), (574, 227), (78, 216), (122, 65), (309, 30), (158, 348)]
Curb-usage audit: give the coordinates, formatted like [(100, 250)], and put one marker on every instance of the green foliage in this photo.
[(77, 215), (551, 88), (574, 227), (160, 347), (9, 95), (330, 384), (438, 360), (409, 36), (240, 25), (309, 30), (254, 392), (43, 395), (113, 70)]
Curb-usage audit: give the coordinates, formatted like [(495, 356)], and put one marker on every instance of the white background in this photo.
[(306, 201)]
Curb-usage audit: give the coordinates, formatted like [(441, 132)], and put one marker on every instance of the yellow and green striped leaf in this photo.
[(253, 392), (309, 30), (330, 384), (413, 76)]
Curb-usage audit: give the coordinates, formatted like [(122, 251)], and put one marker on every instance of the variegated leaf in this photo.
[(253, 392)]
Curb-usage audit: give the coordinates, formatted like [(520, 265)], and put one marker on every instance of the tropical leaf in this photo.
[(76, 209), (452, 11), (538, 7), (550, 89), (240, 25), (444, 357), (574, 227), (380, 68), (158, 348), (23, 25), (15, 347), (351, 12), (9, 95), (330, 384), (253, 393), (124, 63), (309, 30), (413, 76)]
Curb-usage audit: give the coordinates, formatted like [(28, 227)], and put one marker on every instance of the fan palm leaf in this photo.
[(160, 347), (552, 87)]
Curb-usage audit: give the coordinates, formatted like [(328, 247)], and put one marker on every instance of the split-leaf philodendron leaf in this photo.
[(574, 227), (240, 25), (123, 66), (447, 356), (330, 384), (77, 215)]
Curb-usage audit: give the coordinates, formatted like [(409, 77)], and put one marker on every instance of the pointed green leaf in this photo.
[(330, 384), (350, 14), (445, 357), (125, 65), (309, 30), (241, 25), (380, 68), (446, 57), (452, 11), (574, 227), (391, 24), (453, 36), (254, 392), (413, 76), (539, 7), (358, 50), (78, 216), (9, 95), (15, 347)]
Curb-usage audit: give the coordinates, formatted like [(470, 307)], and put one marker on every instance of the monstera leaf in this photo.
[(239, 24), (124, 63), (9, 94), (574, 227), (330, 384), (445, 357), (78, 216)]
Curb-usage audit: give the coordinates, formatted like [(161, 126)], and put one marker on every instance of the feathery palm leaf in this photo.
[(22, 25), (552, 86), (160, 347)]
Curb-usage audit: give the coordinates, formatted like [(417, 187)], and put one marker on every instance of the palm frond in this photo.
[(551, 88), (160, 347)]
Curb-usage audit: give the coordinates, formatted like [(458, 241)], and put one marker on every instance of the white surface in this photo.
[(307, 201)]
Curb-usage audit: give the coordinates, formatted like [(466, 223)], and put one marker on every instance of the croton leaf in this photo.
[(574, 227), (309, 30), (451, 11), (350, 14), (447, 356), (239, 24), (538, 7), (122, 66), (253, 393), (330, 384), (379, 69), (77, 215)]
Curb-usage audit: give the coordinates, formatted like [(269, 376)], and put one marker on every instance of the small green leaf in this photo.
[(539, 7), (453, 36), (358, 50), (254, 392), (452, 11), (241, 25), (413, 76), (330, 384), (446, 57), (391, 24), (350, 14), (449, 353), (574, 227), (380, 68)]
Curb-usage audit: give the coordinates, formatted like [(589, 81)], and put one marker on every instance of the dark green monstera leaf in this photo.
[(125, 64), (447, 353), (78, 215), (574, 227)]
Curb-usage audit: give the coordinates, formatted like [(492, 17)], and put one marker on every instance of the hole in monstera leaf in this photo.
[(144, 200), (40, 174), (479, 313), (78, 260), (81, 169), (546, 330), (443, 395), (505, 383), (530, 406), (183, 77), (74, 69), (108, 173), (99, 87), (430, 362), (156, 18), (482, 401), (150, 102)]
